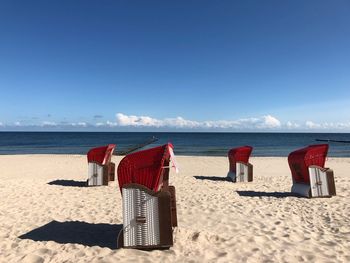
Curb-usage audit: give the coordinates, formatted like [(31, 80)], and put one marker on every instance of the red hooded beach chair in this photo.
[(149, 203), (240, 168), (101, 170), (310, 177)]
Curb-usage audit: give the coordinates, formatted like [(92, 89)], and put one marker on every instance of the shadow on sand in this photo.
[(266, 194), (212, 178), (68, 183), (103, 235)]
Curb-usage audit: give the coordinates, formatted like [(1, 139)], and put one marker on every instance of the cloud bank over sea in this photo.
[(125, 122)]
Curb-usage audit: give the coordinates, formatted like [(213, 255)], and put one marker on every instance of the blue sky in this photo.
[(175, 65)]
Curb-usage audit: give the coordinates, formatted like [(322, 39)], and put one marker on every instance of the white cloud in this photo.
[(79, 124), (111, 124), (270, 122), (292, 125), (132, 120), (84, 124), (312, 125), (48, 124), (342, 125), (328, 125), (264, 122)]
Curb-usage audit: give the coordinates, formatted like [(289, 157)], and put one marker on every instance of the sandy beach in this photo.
[(47, 216)]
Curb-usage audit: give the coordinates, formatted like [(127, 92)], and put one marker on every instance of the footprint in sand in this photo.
[(195, 236)]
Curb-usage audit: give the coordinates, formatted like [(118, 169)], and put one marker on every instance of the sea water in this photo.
[(185, 143)]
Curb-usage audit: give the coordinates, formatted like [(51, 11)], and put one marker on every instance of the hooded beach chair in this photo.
[(310, 177), (240, 168), (149, 203), (100, 168)]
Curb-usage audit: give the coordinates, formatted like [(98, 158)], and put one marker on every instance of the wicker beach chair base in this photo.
[(147, 218), (244, 173), (321, 183), (100, 174)]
